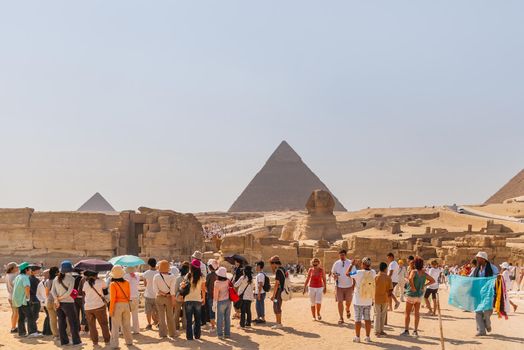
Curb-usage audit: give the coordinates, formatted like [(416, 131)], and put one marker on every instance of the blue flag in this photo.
[(472, 293)]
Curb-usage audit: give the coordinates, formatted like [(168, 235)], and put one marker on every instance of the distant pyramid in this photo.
[(514, 188), (284, 183), (96, 203)]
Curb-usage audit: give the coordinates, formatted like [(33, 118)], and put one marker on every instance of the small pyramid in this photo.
[(514, 188), (97, 203), (283, 183)]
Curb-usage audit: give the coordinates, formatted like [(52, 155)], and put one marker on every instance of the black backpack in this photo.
[(267, 284)]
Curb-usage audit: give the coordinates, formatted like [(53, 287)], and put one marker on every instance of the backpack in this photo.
[(286, 293), (267, 284), (366, 289)]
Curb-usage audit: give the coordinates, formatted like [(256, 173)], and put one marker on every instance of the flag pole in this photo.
[(440, 323)]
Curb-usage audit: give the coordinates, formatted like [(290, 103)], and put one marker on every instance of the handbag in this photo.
[(74, 292), (183, 291), (233, 295)]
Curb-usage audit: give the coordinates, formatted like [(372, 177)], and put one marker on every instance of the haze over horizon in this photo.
[(178, 105)]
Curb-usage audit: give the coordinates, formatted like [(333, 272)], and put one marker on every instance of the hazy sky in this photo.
[(177, 104)]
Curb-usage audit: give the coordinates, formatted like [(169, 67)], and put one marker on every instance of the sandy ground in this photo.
[(301, 332)]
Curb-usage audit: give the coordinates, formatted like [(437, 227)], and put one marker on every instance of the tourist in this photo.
[(134, 281), (120, 307), (402, 274), (512, 276), (276, 298), (317, 286), (364, 285), (22, 301), (393, 272), (33, 292), (96, 307), (238, 270), (210, 285), (483, 268), (435, 271), (150, 294), (344, 285), (411, 266), (505, 272), (194, 300), (11, 273), (383, 288), (42, 297), (245, 287), (79, 302), (414, 292), (180, 317), (260, 293), (62, 291), (50, 302), (204, 314), (222, 303), (164, 284)]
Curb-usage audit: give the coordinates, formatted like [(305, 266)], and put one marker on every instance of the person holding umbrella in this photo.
[(132, 277), (120, 307), (96, 306)]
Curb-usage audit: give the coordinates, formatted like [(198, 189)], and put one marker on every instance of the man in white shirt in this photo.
[(393, 272), (344, 284), (434, 271), (364, 295), (164, 284), (134, 280), (150, 294)]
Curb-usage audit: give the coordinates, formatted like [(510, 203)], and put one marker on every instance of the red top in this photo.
[(316, 277)]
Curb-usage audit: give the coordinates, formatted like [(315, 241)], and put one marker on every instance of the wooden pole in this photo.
[(440, 323)]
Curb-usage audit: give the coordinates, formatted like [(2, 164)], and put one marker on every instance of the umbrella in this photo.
[(127, 260), (235, 257), (95, 265)]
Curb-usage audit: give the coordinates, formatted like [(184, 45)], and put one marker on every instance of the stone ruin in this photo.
[(26, 234), (318, 224)]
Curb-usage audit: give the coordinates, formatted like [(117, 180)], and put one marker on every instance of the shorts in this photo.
[(344, 294), (413, 300), (277, 303), (362, 313), (315, 295), (150, 306), (432, 292)]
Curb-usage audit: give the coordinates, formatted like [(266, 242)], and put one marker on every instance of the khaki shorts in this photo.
[(150, 306), (344, 294)]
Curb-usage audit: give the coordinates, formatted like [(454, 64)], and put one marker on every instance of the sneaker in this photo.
[(383, 334), (35, 335), (367, 339), (319, 318), (14, 330), (405, 333), (356, 340), (277, 326)]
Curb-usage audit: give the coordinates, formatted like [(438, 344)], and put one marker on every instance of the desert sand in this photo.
[(300, 332)]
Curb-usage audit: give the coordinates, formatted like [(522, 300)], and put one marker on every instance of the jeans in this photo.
[(259, 306), (245, 313), (66, 314), (224, 318), (193, 309), (209, 302), (483, 321), (26, 314)]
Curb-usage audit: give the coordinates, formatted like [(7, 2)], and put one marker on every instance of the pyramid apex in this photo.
[(97, 203)]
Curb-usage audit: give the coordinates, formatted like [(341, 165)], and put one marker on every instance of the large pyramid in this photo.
[(284, 183), (97, 203), (514, 188)]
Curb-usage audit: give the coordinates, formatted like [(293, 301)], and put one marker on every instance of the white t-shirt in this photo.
[(40, 293), (340, 268), (134, 282), (91, 299), (260, 279), (358, 276), (393, 266), (150, 291), (174, 271), (9, 280), (507, 280), (245, 288), (435, 273)]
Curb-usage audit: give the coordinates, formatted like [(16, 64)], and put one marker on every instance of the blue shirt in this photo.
[(482, 273), (19, 285)]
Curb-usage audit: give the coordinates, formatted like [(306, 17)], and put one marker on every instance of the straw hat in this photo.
[(222, 272), (197, 255), (164, 266), (213, 263), (117, 272)]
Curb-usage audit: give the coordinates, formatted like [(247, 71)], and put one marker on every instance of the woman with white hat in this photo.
[(507, 281), (222, 303), (120, 307), (132, 277), (210, 286)]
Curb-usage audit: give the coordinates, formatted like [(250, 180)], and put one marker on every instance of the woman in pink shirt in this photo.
[(222, 304)]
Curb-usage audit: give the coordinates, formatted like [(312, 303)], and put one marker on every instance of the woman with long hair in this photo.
[(194, 300), (222, 303), (50, 304), (418, 279), (96, 306), (120, 307), (63, 290), (245, 287), (316, 286), (11, 273)]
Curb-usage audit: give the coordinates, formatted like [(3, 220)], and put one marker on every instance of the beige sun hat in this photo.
[(117, 272), (482, 255)]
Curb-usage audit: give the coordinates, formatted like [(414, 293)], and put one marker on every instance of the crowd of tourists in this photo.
[(189, 295)]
